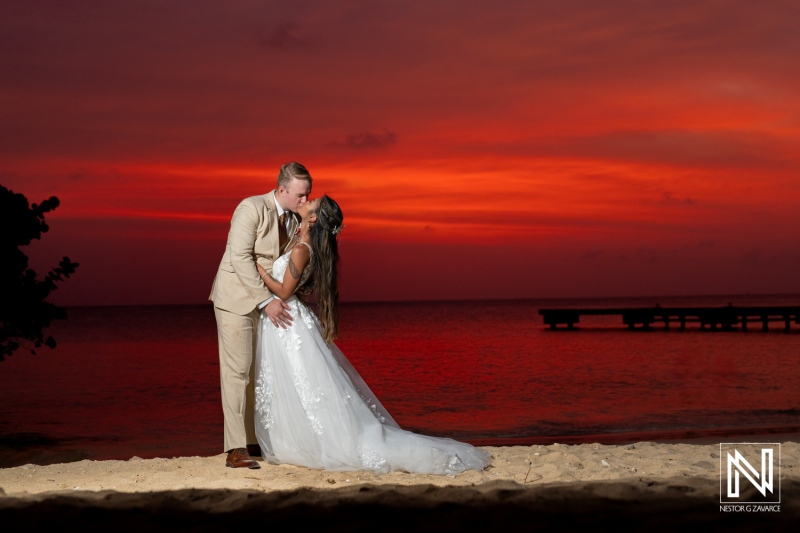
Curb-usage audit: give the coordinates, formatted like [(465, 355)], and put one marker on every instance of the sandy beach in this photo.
[(657, 485)]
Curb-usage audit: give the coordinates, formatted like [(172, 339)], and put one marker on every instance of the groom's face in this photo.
[(295, 195)]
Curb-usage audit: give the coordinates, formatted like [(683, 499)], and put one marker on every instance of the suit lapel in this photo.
[(272, 232)]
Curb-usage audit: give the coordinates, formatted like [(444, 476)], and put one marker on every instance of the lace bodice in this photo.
[(280, 264)]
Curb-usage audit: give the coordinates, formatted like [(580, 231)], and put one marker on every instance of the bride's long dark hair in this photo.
[(325, 265)]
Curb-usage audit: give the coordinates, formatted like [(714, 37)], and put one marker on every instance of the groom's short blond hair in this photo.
[(292, 171)]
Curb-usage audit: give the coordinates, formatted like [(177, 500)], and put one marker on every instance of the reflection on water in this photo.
[(144, 381)]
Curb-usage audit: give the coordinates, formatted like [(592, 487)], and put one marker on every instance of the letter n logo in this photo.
[(739, 476)]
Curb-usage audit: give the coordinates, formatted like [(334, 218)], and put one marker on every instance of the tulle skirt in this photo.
[(314, 410)]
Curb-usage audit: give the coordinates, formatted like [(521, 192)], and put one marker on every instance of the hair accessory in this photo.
[(337, 229)]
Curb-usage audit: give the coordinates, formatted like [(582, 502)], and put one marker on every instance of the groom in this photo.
[(260, 230)]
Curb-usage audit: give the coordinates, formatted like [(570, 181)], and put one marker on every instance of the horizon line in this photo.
[(480, 300)]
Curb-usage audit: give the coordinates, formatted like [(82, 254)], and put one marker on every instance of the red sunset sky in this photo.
[(478, 149)]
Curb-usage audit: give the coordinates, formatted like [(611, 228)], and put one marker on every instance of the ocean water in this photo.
[(144, 381)]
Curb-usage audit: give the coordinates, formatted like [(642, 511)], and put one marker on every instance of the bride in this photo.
[(312, 407)]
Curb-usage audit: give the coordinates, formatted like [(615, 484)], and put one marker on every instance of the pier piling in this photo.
[(725, 318)]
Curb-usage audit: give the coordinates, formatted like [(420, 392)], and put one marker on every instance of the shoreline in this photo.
[(663, 485), (676, 436), (33, 448)]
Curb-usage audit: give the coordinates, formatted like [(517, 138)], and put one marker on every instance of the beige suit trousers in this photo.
[(237, 335)]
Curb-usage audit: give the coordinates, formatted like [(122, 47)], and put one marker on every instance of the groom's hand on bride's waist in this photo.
[(278, 313)]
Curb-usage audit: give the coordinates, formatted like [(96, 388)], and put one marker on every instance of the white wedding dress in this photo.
[(314, 410)]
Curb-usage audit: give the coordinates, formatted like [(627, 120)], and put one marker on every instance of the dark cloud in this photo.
[(668, 199), (110, 175), (368, 141), (284, 35)]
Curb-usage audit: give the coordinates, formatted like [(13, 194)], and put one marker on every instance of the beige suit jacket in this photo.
[(253, 238)]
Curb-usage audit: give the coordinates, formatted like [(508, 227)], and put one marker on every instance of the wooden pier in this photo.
[(728, 318)]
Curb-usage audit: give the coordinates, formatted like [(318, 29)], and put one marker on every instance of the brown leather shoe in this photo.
[(239, 458), (254, 450)]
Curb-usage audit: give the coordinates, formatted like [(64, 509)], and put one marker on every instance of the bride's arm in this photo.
[(298, 261)]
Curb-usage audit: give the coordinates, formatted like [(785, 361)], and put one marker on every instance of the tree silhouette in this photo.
[(24, 311)]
